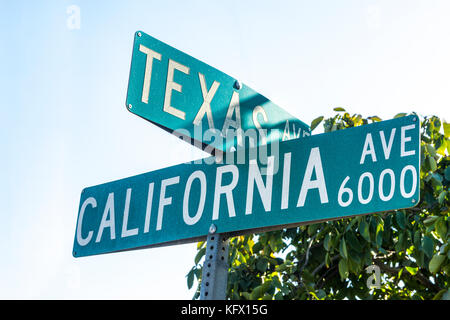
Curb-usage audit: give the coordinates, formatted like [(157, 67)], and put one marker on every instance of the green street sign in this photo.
[(356, 171), (199, 103)]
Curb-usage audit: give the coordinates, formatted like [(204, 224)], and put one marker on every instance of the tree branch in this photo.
[(306, 258), (323, 264), (324, 277), (419, 276)]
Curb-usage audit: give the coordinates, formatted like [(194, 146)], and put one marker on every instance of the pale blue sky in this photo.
[(65, 127)]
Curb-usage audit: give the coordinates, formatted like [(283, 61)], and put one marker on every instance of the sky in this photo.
[(64, 68)]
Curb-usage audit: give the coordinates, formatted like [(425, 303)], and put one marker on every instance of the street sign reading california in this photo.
[(193, 100), (355, 171)]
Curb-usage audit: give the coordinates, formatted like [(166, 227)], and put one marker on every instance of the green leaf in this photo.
[(246, 295), (399, 274), (401, 243), (375, 119), (343, 249), (257, 247), (199, 255), (441, 145), (257, 293), (190, 279), (447, 173), (267, 297), (417, 238), (312, 228), (343, 269), (431, 150), (353, 241), (436, 179), (432, 163), (379, 234), (326, 242), (398, 115), (430, 221), (446, 129), (351, 224), (435, 263), (441, 228), (327, 260), (278, 296), (321, 294), (441, 197), (339, 109), (400, 217), (316, 122), (428, 246), (261, 265), (268, 286), (200, 244), (444, 248), (412, 270), (440, 294), (354, 264), (436, 123), (281, 267), (364, 230)]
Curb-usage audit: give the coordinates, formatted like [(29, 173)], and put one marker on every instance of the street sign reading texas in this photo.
[(196, 101), (355, 171)]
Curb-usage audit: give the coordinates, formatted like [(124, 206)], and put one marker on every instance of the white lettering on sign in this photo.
[(402, 181), (345, 190), (368, 149), (235, 108), (172, 85), (256, 111), (265, 191), (391, 173), (314, 164), (108, 223), (287, 132), (404, 139), (227, 190), (148, 210), (201, 205), (205, 108), (126, 211), (163, 201), (361, 198), (148, 70), (189, 200), (84, 241), (232, 123), (286, 181), (387, 146), (345, 194)]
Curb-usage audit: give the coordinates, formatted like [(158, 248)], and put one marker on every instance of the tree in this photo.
[(340, 259)]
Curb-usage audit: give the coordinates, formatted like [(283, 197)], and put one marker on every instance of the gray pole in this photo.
[(215, 267)]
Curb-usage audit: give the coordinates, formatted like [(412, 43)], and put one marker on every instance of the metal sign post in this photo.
[(215, 267)]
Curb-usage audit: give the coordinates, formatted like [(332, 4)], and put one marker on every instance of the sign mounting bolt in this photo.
[(129, 106), (413, 200), (139, 34), (237, 85), (212, 228)]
